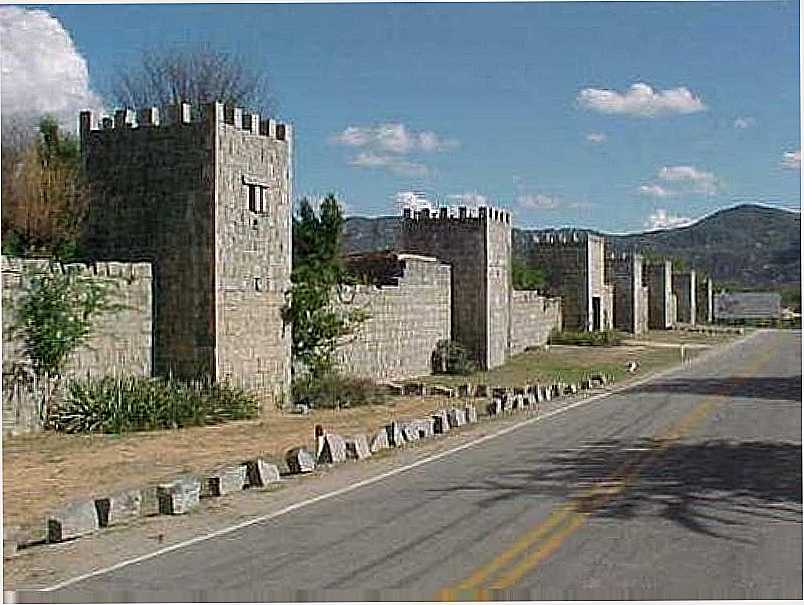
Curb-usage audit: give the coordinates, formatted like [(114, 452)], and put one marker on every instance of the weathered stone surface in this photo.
[(226, 480), (395, 436), (74, 520), (425, 427), (494, 407), (465, 390), (440, 422), (333, 449), (179, 496), (508, 402), (470, 411), (260, 473), (357, 447), (414, 389), (547, 392), (410, 431), (533, 318), (500, 392), (482, 390), (392, 388), (299, 460), (379, 441), (457, 417), (440, 390), (301, 408), (119, 508)]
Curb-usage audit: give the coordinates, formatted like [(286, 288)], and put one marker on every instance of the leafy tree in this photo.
[(195, 74), (55, 316), (524, 277), (318, 325), (45, 194)]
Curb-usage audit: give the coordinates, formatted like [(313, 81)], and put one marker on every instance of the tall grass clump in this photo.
[(119, 405)]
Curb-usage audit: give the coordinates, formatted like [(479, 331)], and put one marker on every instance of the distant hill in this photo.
[(745, 246)]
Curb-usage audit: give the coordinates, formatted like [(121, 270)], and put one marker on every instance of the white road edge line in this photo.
[(345, 490)]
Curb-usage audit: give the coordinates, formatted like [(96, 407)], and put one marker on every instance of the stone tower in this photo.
[(477, 244), (658, 276), (203, 194), (684, 287), (624, 272)]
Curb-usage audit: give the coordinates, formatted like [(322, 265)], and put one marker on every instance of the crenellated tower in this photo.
[(477, 244), (204, 194)]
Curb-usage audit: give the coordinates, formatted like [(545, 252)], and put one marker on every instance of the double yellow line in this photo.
[(545, 538)]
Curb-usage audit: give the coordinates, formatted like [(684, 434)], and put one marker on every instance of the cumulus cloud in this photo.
[(641, 100), (684, 180), (396, 164), (415, 200), (743, 123), (596, 137), (389, 146), (537, 201), (661, 219), (792, 160), (654, 190), (42, 71), (471, 199)]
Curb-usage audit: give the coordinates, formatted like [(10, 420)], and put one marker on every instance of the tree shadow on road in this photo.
[(709, 488), (787, 388)]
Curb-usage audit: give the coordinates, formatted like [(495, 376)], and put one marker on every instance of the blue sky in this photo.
[(614, 116)]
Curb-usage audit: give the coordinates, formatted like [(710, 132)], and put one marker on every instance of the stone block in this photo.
[(457, 417), (470, 412), (150, 501), (333, 449), (357, 447), (179, 496), (74, 520), (394, 433), (494, 407), (260, 473), (440, 422), (425, 427), (299, 460), (379, 441), (226, 480), (119, 508), (410, 431)]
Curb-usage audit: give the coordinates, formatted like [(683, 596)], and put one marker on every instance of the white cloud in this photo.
[(661, 219), (42, 71), (743, 123), (685, 180), (641, 100), (792, 160), (414, 200), (393, 138), (396, 164), (469, 199), (537, 201), (596, 137), (654, 190)]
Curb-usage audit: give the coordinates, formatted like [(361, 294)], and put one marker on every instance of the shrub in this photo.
[(118, 405), (333, 390), (606, 338), (451, 357)]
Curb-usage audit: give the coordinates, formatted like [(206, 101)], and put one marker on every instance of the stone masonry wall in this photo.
[(122, 340), (533, 318), (477, 246), (409, 312), (624, 272), (684, 289), (704, 304), (661, 300)]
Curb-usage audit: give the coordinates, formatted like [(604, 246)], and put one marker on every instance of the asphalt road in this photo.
[(686, 487)]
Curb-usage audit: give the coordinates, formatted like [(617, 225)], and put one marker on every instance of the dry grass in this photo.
[(43, 471)]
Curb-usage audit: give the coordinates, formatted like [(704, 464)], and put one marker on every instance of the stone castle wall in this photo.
[(204, 194), (122, 340), (686, 297), (477, 245), (704, 304), (533, 318), (624, 272), (409, 312), (574, 267), (661, 300)]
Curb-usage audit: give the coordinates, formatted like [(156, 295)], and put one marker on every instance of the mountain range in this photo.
[(745, 247)]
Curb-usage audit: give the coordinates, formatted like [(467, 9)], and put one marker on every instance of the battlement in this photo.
[(564, 237), (183, 114), (462, 214), (130, 271)]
